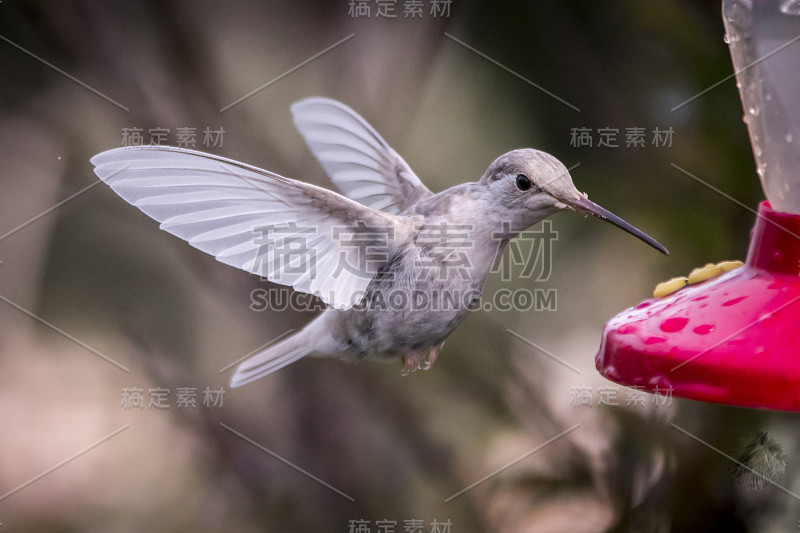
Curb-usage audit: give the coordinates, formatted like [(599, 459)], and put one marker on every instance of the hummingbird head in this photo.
[(529, 185)]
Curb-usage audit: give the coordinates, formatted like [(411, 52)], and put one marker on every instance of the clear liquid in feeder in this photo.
[(764, 41)]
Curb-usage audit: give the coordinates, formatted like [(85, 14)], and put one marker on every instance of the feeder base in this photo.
[(734, 339)]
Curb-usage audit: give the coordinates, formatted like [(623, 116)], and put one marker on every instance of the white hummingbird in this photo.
[(399, 266)]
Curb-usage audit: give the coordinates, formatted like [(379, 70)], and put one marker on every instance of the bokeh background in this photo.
[(394, 448)]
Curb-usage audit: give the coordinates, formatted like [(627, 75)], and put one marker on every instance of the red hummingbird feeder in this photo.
[(735, 339)]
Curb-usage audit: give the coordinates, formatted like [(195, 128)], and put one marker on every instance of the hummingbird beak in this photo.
[(584, 205)]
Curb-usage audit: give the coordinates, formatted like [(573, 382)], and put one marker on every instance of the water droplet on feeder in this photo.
[(733, 301), (789, 138), (612, 373), (704, 329), (660, 381), (674, 324)]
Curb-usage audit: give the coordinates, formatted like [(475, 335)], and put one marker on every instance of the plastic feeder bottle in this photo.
[(735, 339)]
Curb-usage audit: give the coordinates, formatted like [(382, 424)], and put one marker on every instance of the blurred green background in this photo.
[(397, 447)]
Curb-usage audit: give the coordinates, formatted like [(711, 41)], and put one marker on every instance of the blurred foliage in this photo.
[(398, 446)]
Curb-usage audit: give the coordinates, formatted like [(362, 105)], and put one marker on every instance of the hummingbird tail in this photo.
[(313, 339), (268, 361)]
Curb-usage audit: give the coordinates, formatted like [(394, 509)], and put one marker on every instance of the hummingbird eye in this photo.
[(523, 182)]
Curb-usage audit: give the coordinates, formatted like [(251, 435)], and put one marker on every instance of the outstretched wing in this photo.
[(361, 164), (289, 232)]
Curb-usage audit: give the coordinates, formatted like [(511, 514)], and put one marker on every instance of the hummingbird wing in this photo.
[(287, 231), (361, 164)]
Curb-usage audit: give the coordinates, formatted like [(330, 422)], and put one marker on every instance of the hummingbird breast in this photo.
[(420, 296)]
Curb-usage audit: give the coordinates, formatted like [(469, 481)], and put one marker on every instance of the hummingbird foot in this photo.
[(421, 360)]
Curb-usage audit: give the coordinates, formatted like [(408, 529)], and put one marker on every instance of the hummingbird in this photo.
[(398, 266)]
